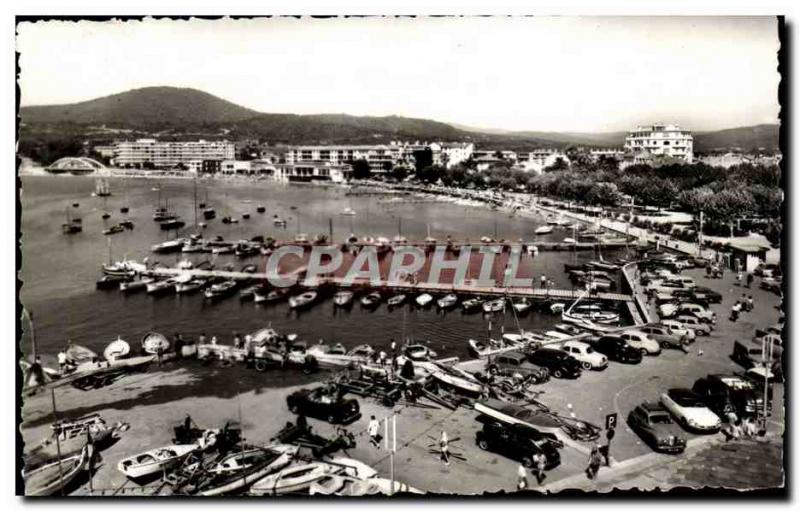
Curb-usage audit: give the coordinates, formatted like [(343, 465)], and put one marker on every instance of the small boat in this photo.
[(453, 377), (278, 222), (448, 301), (302, 300), (482, 349), (162, 214), (247, 249), (114, 229), (496, 305), (568, 329), (105, 216), (76, 205), (396, 300), (522, 306), (371, 300), (127, 224), (101, 188), (209, 213), (343, 298), (122, 268), (249, 293), (135, 285), (555, 334), (293, 479), (245, 216), (223, 249), (72, 227), (545, 229), (424, 300), (570, 241), (54, 477), (155, 461), (352, 239), (419, 352), (190, 286), (509, 413), (110, 281), (161, 287), (471, 305), (261, 209), (117, 349), (239, 470), (174, 223), (348, 212), (193, 244), (273, 296), (249, 268), (124, 209), (349, 486), (152, 342), (168, 246), (221, 290)]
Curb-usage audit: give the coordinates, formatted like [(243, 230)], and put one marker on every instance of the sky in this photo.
[(510, 73)]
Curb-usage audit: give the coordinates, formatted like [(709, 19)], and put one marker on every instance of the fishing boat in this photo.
[(135, 285), (522, 306), (155, 461), (496, 305), (293, 479), (424, 300), (117, 349), (261, 209), (396, 300), (302, 300), (544, 229), (54, 477), (221, 290), (471, 305), (348, 212), (168, 246), (419, 352), (371, 300), (447, 301), (190, 286), (343, 298), (161, 287), (172, 223), (114, 229), (273, 296), (237, 471), (152, 342)]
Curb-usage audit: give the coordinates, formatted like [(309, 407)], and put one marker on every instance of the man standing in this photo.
[(539, 462), (543, 281), (373, 429), (749, 280), (605, 451), (445, 450), (522, 477), (62, 361), (594, 462)]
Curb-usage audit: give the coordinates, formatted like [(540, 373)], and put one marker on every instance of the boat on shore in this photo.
[(155, 461), (237, 471), (545, 229), (453, 378), (419, 353), (117, 350), (293, 479), (55, 477)]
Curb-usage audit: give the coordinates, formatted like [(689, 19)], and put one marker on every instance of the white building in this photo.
[(236, 167), (307, 172), (668, 140), (379, 157), (450, 154), (148, 152), (538, 160)]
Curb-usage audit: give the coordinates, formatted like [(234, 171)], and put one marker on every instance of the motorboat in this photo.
[(424, 300), (348, 212), (484, 349), (273, 296), (522, 306), (496, 305), (161, 287), (260, 209), (556, 335), (114, 229), (448, 301), (419, 352), (110, 281), (278, 221), (249, 293), (396, 300), (302, 300), (168, 246), (343, 298), (133, 286), (190, 286), (247, 249), (471, 305), (54, 477), (117, 349), (510, 413), (545, 229), (371, 300), (153, 342), (239, 470), (123, 268), (294, 479), (155, 461), (173, 223), (227, 248), (221, 290)]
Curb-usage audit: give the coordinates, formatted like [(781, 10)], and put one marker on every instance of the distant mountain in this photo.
[(747, 138), (172, 111)]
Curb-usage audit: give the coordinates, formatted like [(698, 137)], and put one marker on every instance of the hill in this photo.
[(748, 138)]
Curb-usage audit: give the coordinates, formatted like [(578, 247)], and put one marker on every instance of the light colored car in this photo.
[(664, 337), (695, 324), (697, 310), (690, 411), (676, 328), (585, 354), (688, 282), (640, 341)]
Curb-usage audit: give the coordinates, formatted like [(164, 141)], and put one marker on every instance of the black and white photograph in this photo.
[(400, 257)]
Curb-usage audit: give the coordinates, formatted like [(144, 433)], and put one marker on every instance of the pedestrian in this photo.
[(739, 276), (444, 449), (751, 303), (373, 430), (248, 345), (594, 462), (214, 340), (749, 428), (743, 301), (735, 311), (539, 463), (237, 340), (605, 450), (62, 361), (749, 280), (543, 280), (202, 338), (160, 354), (522, 477)]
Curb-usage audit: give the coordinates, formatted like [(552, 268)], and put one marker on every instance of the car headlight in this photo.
[(692, 422)]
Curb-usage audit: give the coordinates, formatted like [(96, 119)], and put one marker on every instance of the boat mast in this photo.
[(58, 442)]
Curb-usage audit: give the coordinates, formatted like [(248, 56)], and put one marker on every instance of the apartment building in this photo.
[(150, 153), (661, 140)]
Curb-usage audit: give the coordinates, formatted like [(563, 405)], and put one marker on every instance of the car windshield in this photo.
[(660, 418), (689, 401)]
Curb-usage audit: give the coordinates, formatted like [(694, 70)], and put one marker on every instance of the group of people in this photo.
[(736, 428), (745, 304)]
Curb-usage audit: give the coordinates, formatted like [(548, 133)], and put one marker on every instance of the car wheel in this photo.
[(294, 408), (493, 370), (260, 366), (483, 444), (332, 419), (665, 345), (586, 365), (557, 373), (527, 462)]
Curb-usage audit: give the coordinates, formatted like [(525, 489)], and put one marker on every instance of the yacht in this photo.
[(545, 229)]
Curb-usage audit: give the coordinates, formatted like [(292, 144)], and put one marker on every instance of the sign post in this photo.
[(611, 424)]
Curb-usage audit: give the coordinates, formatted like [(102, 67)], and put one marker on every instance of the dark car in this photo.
[(512, 362), (324, 403), (653, 423), (519, 442), (616, 349), (558, 362), (729, 393), (706, 295)]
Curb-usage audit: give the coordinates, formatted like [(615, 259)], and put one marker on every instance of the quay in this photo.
[(543, 246)]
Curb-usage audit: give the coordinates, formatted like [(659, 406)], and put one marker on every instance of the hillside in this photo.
[(748, 138)]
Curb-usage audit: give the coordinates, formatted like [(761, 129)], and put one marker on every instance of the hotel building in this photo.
[(667, 140), (148, 152)]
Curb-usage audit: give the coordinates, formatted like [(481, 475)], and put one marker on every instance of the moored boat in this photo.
[(496, 305), (424, 300), (237, 471), (371, 300), (153, 342), (471, 305), (302, 300), (396, 300), (419, 352), (448, 301), (155, 461), (343, 298), (221, 290), (545, 229), (168, 246), (117, 349), (521, 306)]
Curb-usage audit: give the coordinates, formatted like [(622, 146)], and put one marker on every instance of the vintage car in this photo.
[(585, 354), (324, 403), (665, 338), (616, 349), (694, 323), (653, 424), (519, 442), (559, 363), (513, 362), (724, 393), (690, 411), (641, 341)]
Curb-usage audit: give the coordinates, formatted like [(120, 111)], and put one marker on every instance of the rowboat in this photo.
[(471, 305), (447, 301), (522, 305), (418, 352), (152, 342), (371, 300), (348, 486), (71, 442), (275, 295), (220, 290), (497, 305), (237, 471), (302, 300), (424, 300), (396, 300), (453, 377), (545, 229), (56, 476), (343, 298), (135, 285), (155, 461), (190, 286), (117, 349), (168, 246), (293, 479)]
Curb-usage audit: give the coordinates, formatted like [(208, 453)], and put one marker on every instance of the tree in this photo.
[(430, 174), (361, 169), (399, 173), (423, 158), (558, 164)]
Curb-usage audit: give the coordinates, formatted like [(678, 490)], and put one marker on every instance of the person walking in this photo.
[(543, 281), (751, 303), (743, 301), (444, 449), (62, 361), (739, 276), (539, 463), (749, 280), (737, 307), (522, 477), (605, 451), (594, 462), (373, 430), (237, 340)]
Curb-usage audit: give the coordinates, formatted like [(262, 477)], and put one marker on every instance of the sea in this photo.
[(58, 272)]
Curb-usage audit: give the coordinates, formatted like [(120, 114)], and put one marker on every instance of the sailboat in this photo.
[(209, 213), (101, 188), (72, 225)]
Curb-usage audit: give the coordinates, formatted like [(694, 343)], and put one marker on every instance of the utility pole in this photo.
[(766, 358), (393, 447)]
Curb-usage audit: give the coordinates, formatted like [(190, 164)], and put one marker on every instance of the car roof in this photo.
[(576, 344), (513, 354), (681, 392), (652, 406)]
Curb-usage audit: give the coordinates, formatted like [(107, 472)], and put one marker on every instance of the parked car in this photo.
[(690, 411), (513, 362), (665, 338), (699, 327), (640, 341), (559, 363), (585, 354), (706, 295), (676, 328), (772, 284), (324, 403), (698, 311), (751, 357), (729, 393), (519, 442), (654, 425), (616, 349)]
